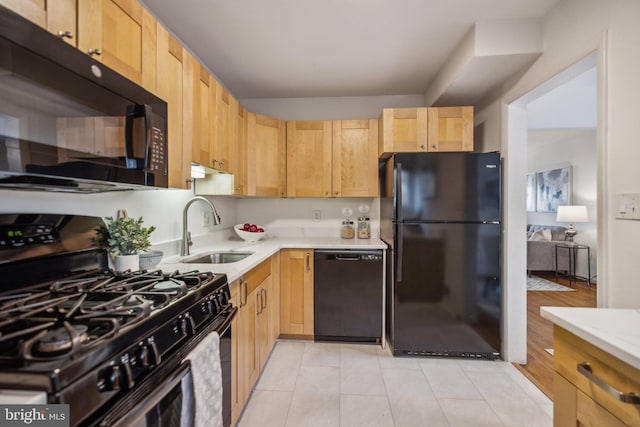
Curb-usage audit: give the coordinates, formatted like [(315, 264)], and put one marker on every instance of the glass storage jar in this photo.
[(347, 231), (364, 228)]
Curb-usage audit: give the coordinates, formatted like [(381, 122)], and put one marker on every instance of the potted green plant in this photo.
[(124, 238)]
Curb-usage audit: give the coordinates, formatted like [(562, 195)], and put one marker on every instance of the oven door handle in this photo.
[(116, 419)]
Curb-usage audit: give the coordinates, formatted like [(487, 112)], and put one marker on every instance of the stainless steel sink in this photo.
[(216, 258)]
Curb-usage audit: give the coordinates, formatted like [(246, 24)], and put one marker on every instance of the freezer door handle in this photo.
[(399, 252), (398, 177)]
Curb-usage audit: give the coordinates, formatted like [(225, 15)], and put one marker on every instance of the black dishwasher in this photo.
[(348, 295)]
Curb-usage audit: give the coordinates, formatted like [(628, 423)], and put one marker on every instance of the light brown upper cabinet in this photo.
[(34, 10), (221, 152), (121, 34), (433, 129), (170, 88), (189, 112), (59, 17), (309, 158), (266, 156), (200, 148), (355, 158), (239, 150), (450, 129), (402, 130)]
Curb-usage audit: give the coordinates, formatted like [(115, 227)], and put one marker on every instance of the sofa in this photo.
[(541, 248)]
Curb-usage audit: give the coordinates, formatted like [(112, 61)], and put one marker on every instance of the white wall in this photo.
[(351, 107), (163, 209), (293, 217), (572, 105), (160, 208), (554, 149), (487, 131), (572, 30)]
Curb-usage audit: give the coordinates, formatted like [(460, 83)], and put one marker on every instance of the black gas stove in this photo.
[(76, 330)]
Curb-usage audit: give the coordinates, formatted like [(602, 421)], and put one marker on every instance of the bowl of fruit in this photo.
[(250, 232)]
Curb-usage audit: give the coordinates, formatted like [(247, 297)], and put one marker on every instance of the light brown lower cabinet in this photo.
[(296, 293), (585, 378), (252, 335)]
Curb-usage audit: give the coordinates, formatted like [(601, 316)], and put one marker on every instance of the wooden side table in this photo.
[(572, 250)]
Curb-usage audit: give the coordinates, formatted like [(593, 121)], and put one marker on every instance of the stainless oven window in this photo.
[(163, 407)]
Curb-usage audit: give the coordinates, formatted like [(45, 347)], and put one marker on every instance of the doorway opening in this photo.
[(559, 132)]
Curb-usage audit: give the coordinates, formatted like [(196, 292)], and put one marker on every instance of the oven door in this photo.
[(160, 399), (165, 406)]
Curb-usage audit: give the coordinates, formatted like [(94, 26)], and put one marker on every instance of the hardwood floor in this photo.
[(539, 367)]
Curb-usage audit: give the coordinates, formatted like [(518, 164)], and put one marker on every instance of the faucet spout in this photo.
[(186, 236)]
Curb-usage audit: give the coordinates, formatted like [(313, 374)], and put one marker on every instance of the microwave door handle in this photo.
[(136, 112)]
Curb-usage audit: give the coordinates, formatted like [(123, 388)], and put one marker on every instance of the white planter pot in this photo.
[(122, 263)]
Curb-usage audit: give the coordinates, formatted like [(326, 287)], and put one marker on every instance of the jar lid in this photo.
[(363, 218), (347, 221)]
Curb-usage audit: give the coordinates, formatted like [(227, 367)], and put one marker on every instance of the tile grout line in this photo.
[(446, 417), (386, 392), (484, 399)]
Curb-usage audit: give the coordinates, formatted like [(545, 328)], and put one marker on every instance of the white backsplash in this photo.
[(160, 208), (163, 209), (294, 217)]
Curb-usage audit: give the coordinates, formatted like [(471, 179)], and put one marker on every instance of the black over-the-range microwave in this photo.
[(69, 123)]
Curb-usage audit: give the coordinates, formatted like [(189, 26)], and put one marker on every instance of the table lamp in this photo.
[(571, 214)]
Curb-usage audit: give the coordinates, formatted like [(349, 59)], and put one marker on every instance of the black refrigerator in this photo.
[(440, 215)]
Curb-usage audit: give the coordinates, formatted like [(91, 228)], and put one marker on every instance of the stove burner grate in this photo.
[(61, 339), (59, 319)]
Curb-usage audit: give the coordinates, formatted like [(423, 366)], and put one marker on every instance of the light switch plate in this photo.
[(628, 206)]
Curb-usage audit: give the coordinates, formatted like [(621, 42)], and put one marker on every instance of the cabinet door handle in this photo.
[(308, 261), (259, 303), (264, 298), (94, 52), (243, 301), (63, 34), (631, 397)]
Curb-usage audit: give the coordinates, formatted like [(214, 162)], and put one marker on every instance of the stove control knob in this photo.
[(210, 306), (186, 326), (223, 299), (147, 354), (119, 377)]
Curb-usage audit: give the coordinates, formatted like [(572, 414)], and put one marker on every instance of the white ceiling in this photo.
[(330, 48)]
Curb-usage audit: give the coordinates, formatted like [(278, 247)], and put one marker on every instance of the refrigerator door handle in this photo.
[(399, 214), (399, 252)]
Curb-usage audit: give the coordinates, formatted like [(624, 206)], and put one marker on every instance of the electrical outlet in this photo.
[(206, 218), (316, 216)]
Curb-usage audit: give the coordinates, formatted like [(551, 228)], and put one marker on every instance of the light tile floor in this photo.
[(349, 385)]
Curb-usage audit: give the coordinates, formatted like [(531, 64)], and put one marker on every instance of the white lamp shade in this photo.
[(572, 214)]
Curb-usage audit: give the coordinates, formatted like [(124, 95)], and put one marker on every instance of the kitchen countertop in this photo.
[(614, 330), (262, 250)]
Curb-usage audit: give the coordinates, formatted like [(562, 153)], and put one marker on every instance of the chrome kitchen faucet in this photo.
[(186, 235)]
